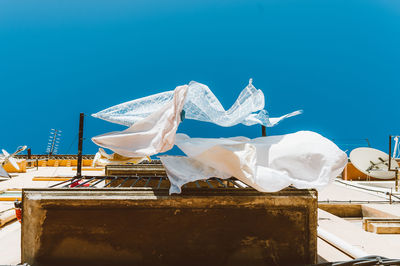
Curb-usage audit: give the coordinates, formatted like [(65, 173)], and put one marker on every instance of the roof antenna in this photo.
[(80, 142)]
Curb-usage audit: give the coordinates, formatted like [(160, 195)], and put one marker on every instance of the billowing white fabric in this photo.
[(151, 135), (182, 170), (200, 104), (128, 113), (153, 120), (102, 158), (304, 159)]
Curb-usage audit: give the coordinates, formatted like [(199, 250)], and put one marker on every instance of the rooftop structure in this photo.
[(355, 213)]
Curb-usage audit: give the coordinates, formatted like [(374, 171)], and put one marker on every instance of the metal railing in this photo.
[(133, 181)]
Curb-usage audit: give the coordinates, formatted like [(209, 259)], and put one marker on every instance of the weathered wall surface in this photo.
[(149, 227)]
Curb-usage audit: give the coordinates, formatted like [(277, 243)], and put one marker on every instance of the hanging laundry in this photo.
[(304, 159), (153, 120), (150, 135), (101, 158)]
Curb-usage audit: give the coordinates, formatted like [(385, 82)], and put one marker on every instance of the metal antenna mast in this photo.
[(54, 141), (80, 143), (396, 170)]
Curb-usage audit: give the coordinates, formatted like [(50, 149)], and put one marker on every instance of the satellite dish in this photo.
[(13, 163), (373, 162), (10, 159)]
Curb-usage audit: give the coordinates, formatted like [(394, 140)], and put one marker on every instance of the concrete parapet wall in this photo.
[(148, 227)]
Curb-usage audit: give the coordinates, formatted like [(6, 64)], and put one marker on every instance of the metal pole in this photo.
[(263, 131), (369, 144), (339, 243), (396, 171), (29, 156), (390, 152), (79, 166)]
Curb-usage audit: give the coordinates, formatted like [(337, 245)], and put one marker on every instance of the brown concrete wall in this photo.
[(369, 211), (342, 210), (149, 227)]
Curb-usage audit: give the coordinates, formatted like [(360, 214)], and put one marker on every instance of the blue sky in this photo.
[(337, 60)]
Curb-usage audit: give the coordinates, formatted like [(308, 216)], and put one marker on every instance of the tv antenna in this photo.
[(54, 141)]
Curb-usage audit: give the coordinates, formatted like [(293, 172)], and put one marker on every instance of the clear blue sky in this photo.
[(338, 60)]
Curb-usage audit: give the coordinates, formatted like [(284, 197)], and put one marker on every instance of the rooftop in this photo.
[(343, 207)]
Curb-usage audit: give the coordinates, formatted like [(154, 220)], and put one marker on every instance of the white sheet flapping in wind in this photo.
[(128, 113), (200, 104), (304, 159), (153, 120), (151, 135)]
